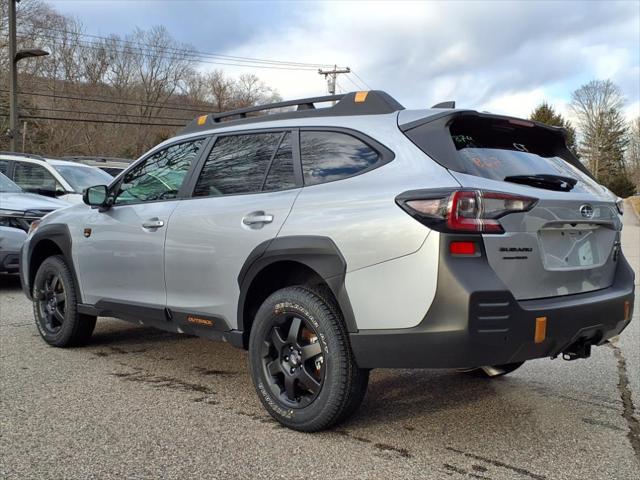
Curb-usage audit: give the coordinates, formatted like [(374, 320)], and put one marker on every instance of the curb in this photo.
[(635, 206)]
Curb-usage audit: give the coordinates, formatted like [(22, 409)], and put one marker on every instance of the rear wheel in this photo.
[(301, 361), (55, 306)]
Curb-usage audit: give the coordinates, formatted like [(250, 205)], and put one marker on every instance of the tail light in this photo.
[(463, 211)]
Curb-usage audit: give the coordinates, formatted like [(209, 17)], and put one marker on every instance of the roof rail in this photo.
[(353, 103), (95, 158), (26, 155)]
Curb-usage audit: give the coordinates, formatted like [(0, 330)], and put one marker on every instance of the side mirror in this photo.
[(95, 196)]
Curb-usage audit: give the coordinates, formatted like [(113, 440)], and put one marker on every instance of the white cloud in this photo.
[(490, 55)]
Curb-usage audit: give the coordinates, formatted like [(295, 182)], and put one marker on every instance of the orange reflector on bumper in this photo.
[(541, 329), (627, 310)]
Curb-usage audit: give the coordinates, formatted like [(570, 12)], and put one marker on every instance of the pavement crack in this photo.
[(498, 463), (628, 409)]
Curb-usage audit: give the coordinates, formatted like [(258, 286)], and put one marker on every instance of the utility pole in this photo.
[(14, 58), (13, 80), (330, 76)]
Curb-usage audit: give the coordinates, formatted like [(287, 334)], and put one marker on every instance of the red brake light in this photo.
[(462, 248), (467, 211)]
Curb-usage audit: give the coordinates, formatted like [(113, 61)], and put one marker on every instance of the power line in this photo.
[(156, 117), (86, 120), (359, 87), (180, 50), (180, 55), (174, 53), (360, 78), (110, 99), (112, 102)]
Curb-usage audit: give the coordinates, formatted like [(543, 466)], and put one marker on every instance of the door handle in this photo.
[(153, 223), (256, 219)]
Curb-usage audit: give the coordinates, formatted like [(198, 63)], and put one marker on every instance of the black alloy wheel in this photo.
[(55, 305), (292, 361), (51, 301)]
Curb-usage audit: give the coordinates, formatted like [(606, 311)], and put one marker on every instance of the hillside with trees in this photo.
[(114, 96)]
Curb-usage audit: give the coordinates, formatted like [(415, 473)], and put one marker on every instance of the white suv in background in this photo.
[(53, 178)]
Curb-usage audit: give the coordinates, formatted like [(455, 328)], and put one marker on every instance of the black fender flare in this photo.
[(59, 234), (318, 253)]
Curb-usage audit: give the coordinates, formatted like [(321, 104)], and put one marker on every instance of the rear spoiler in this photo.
[(440, 145)]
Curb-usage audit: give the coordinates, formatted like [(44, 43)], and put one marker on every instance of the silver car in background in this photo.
[(18, 210)]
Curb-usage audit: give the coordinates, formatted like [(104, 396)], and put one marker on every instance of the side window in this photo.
[(34, 178), (4, 166), (281, 176), (160, 176), (239, 163), (328, 156)]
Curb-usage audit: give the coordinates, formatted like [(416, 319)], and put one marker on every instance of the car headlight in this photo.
[(620, 205), (11, 213)]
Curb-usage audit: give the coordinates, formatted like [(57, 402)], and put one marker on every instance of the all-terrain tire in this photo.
[(342, 385), (55, 306)]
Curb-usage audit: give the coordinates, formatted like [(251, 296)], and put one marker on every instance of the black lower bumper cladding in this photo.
[(474, 321)]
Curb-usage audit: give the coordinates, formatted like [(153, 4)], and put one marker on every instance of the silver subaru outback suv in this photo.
[(330, 241)]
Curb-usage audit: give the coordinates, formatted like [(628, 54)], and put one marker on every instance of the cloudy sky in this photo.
[(499, 56)]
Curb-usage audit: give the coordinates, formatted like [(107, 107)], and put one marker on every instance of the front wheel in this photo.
[(55, 306), (301, 361)]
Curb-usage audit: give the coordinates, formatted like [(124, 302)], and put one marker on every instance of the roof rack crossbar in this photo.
[(307, 102)]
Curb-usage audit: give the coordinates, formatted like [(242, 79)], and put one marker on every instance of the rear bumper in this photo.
[(475, 321)]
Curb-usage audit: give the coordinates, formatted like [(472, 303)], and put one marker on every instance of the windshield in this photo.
[(80, 177), (7, 186)]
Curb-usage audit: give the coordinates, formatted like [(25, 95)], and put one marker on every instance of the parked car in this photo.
[(50, 177), (17, 211), (330, 241), (112, 165)]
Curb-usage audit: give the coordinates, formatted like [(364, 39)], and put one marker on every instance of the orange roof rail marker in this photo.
[(360, 97)]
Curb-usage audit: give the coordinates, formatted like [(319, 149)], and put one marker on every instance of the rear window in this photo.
[(497, 149)]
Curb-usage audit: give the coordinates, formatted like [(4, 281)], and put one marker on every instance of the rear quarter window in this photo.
[(328, 156)]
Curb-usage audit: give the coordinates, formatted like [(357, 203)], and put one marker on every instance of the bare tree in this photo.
[(110, 96), (598, 109), (632, 155)]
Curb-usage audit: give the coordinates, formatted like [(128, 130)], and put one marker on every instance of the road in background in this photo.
[(140, 403)]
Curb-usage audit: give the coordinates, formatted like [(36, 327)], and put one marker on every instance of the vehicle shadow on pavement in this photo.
[(9, 282), (415, 395), (412, 396)]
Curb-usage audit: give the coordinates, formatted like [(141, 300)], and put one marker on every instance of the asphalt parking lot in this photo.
[(140, 403)]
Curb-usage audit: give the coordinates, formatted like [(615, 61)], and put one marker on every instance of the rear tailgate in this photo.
[(569, 241)]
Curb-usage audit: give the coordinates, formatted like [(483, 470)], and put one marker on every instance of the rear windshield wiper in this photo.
[(550, 182)]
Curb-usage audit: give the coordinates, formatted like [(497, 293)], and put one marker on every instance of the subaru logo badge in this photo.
[(586, 211)]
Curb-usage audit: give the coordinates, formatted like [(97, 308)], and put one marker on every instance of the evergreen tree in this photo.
[(545, 113)]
